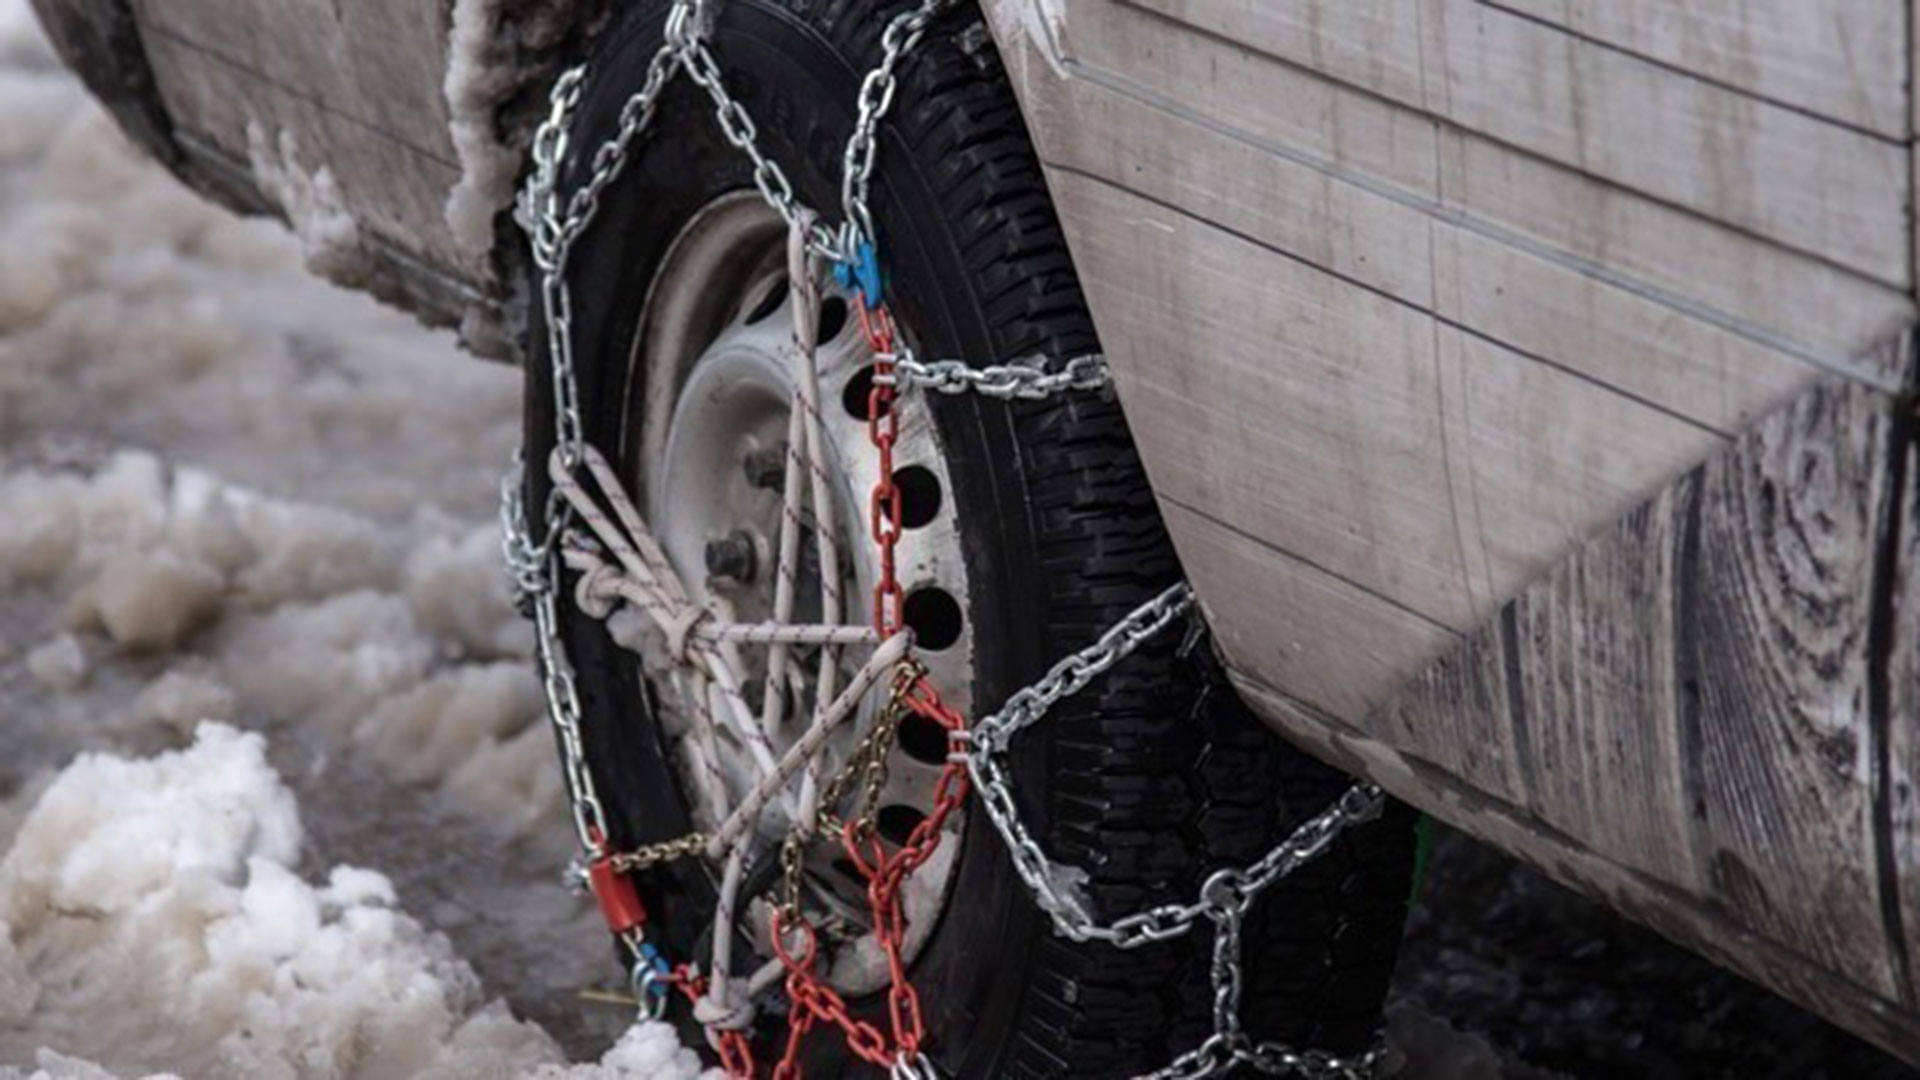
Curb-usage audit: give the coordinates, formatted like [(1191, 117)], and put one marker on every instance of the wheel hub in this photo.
[(712, 460)]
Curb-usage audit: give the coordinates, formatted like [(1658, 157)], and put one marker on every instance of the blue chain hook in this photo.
[(862, 274)]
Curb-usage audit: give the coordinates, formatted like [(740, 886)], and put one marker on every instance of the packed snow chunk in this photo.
[(110, 834), (330, 662), (44, 257), (478, 80), (153, 922), (39, 528), (54, 1066), (329, 236), (59, 664), (153, 599), (306, 552), (127, 499), (458, 592), (181, 699), (511, 783), (648, 1051), (430, 729)]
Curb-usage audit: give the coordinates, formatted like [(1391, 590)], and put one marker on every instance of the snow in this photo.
[(328, 234), (502, 59), (477, 82), (181, 699), (60, 664), (166, 928), (249, 576)]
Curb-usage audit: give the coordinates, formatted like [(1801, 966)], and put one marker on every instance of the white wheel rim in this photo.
[(714, 364)]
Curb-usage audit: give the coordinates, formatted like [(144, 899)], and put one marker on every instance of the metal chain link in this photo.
[(1029, 381), (1224, 898), (553, 227), (666, 851), (563, 700), (531, 560), (743, 135), (876, 97), (867, 764)]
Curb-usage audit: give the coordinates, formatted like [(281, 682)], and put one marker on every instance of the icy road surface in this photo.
[(275, 795)]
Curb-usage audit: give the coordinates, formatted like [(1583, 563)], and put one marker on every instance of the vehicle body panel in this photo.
[(1529, 409), (390, 136)]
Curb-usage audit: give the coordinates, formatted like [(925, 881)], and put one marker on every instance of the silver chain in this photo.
[(1027, 381), (741, 132), (563, 711), (1224, 898), (553, 226), (876, 97)]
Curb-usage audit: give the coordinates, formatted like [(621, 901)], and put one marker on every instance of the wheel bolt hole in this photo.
[(923, 740), (857, 396), (897, 822), (919, 495), (770, 302), (833, 319), (934, 617)]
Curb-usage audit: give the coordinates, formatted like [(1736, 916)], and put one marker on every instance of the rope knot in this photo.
[(717, 1015), (598, 588), (679, 627)]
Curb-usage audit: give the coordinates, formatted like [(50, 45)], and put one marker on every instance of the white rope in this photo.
[(723, 919), (661, 596), (602, 583), (773, 702), (623, 564), (825, 721), (692, 687), (805, 287)]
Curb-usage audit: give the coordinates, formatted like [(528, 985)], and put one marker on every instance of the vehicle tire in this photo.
[(1149, 779)]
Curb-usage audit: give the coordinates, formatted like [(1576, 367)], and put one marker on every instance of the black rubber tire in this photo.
[(1153, 776)]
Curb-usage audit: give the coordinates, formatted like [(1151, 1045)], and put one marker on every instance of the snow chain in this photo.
[(588, 524)]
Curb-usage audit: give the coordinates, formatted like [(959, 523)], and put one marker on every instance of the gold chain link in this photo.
[(869, 758), (628, 862), (868, 761)]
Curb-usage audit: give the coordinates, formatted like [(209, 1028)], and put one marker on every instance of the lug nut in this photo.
[(732, 556), (766, 467)]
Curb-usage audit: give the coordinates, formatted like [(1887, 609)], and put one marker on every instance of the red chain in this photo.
[(887, 874), (883, 427), (812, 999), (736, 1054)]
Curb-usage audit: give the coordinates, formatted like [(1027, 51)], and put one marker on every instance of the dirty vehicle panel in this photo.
[(1562, 392), (351, 120), (1527, 387)]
